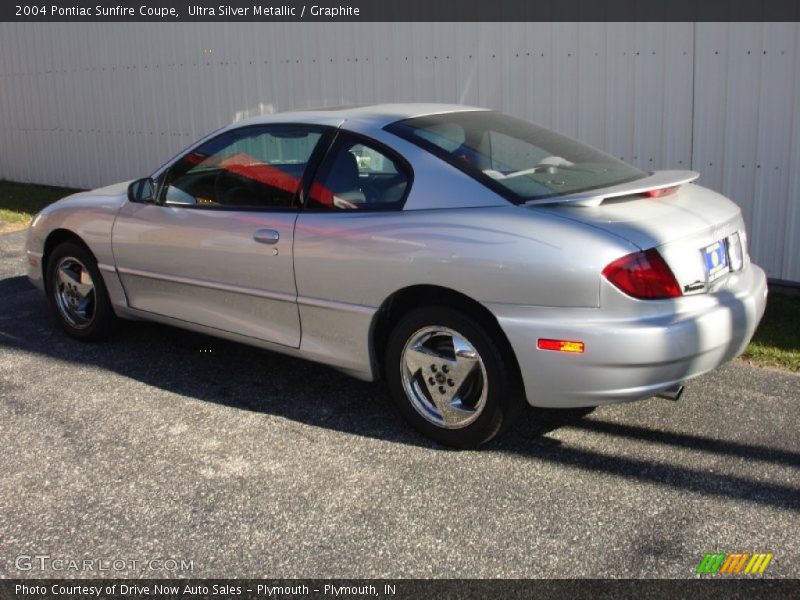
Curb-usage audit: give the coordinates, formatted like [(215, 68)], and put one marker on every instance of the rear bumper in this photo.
[(632, 357)]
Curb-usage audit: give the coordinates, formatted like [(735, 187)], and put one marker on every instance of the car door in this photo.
[(215, 248), (354, 244)]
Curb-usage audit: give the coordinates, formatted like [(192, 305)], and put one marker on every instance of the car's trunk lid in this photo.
[(681, 224)]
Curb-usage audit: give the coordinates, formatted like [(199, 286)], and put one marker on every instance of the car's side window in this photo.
[(248, 168), (359, 175)]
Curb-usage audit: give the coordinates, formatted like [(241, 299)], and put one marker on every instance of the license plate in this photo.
[(716, 259)]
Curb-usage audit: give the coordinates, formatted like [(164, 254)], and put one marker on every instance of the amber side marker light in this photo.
[(560, 345)]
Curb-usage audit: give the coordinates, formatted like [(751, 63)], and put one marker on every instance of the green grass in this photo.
[(776, 343), (19, 202)]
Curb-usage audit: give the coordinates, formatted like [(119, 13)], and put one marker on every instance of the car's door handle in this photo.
[(266, 236)]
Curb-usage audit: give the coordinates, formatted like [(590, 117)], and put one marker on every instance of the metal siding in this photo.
[(82, 105), (745, 131), (776, 113), (592, 83), (564, 81), (677, 52), (791, 249), (621, 96)]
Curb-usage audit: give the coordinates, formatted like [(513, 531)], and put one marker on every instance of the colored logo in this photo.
[(734, 563)]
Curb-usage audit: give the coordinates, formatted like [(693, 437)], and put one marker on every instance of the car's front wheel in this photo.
[(450, 377), (77, 294)]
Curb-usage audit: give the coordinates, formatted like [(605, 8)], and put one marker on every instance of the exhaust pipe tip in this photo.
[(673, 392)]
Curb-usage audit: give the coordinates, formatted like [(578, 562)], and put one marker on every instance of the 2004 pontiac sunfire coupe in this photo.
[(471, 259)]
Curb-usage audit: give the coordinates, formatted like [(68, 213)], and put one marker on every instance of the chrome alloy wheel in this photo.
[(74, 292), (444, 377)]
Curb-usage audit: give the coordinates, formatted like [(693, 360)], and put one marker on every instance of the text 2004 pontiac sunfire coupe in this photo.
[(472, 260)]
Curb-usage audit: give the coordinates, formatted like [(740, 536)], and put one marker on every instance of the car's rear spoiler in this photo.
[(655, 181)]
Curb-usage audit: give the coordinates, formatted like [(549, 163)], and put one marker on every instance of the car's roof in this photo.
[(377, 115)]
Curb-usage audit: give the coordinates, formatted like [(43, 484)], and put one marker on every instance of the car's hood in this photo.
[(110, 196)]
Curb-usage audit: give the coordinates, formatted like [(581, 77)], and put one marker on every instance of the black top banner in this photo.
[(400, 10)]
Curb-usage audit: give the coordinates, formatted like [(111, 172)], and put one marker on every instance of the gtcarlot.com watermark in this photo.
[(59, 564)]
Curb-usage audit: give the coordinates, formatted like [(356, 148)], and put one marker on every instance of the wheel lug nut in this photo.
[(445, 369), (431, 380), (441, 389), (433, 368), (450, 382)]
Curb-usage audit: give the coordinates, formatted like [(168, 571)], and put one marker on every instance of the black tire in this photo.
[(100, 318), (503, 399)]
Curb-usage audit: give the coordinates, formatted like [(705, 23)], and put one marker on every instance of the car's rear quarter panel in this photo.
[(348, 264), (503, 254)]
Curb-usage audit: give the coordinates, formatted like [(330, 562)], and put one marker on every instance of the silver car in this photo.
[(472, 260)]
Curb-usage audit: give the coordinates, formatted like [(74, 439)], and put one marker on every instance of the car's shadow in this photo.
[(213, 370)]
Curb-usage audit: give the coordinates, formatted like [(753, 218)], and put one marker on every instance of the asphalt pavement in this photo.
[(164, 445)]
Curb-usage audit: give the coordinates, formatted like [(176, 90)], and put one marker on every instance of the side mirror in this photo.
[(142, 190)]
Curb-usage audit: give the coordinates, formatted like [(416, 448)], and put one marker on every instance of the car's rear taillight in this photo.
[(643, 275)]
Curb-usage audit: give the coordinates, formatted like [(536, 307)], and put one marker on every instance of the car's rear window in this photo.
[(520, 160)]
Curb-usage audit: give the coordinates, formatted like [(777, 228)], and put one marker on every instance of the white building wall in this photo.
[(83, 104)]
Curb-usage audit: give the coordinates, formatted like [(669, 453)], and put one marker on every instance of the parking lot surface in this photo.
[(162, 444)]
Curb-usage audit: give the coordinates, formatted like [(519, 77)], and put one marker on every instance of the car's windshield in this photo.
[(520, 160)]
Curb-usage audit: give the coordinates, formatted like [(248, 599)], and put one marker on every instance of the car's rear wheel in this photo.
[(450, 378), (77, 293)]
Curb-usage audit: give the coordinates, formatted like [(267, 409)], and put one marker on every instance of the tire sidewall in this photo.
[(501, 400)]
